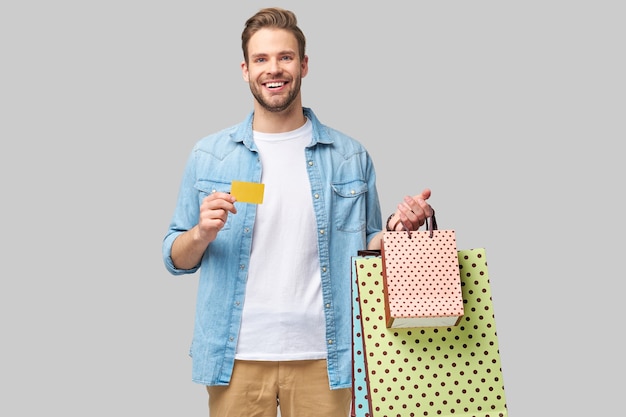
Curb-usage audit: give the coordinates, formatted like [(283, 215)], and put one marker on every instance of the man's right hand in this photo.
[(213, 215), (189, 247)]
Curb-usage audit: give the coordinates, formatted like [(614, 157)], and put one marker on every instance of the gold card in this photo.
[(247, 192)]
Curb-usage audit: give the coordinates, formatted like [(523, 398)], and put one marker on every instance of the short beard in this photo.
[(293, 94)]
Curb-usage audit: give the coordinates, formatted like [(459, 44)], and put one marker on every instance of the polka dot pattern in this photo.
[(360, 397), (428, 371), (422, 280)]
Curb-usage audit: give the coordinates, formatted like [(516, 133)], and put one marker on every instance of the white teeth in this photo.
[(275, 84)]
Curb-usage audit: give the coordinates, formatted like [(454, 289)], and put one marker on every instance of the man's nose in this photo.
[(274, 67)]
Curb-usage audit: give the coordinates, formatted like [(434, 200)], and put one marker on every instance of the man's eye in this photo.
[(259, 60), (286, 58)]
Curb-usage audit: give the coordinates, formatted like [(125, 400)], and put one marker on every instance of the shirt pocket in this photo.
[(206, 187), (348, 209)]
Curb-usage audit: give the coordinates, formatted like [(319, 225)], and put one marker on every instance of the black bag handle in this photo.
[(429, 226), (433, 224)]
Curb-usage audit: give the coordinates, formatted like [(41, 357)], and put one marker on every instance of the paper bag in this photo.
[(430, 371), (421, 278), (360, 398)]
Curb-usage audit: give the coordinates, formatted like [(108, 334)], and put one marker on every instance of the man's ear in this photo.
[(244, 71), (304, 66)]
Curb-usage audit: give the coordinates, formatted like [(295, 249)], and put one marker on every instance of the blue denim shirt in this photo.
[(347, 211)]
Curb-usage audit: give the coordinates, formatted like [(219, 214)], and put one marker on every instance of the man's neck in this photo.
[(271, 122)]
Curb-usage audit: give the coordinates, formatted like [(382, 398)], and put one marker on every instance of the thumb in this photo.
[(425, 195)]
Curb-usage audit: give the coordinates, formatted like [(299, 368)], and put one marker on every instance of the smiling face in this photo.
[(274, 70)]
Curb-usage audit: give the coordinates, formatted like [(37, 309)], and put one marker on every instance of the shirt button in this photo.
[(242, 267), (322, 231), (330, 341), (352, 192), (317, 195), (328, 305), (231, 338), (323, 269), (237, 303), (310, 163)]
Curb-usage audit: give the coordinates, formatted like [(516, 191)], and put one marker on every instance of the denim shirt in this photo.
[(347, 212)]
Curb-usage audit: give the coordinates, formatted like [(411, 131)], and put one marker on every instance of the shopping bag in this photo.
[(421, 277), (429, 371), (360, 398)]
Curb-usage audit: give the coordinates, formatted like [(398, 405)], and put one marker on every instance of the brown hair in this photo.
[(272, 17)]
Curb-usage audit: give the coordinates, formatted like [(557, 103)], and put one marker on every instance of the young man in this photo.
[(273, 315)]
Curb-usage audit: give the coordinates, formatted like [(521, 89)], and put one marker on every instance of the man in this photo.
[(273, 315)]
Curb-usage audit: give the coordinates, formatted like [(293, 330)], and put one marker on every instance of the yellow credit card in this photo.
[(247, 192)]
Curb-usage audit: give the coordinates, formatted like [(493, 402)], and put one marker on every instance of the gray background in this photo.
[(511, 112)]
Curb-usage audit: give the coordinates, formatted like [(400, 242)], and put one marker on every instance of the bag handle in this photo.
[(432, 226)]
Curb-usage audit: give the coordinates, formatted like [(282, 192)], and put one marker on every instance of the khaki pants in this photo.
[(299, 388)]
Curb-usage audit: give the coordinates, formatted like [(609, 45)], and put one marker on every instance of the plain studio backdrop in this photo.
[(511, 112)]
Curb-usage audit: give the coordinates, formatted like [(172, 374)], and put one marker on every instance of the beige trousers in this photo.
[(298, 388)]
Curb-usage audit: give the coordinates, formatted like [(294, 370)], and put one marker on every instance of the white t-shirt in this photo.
[(283, 317)]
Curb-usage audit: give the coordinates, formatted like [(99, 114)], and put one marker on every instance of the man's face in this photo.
[(274, 71)]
